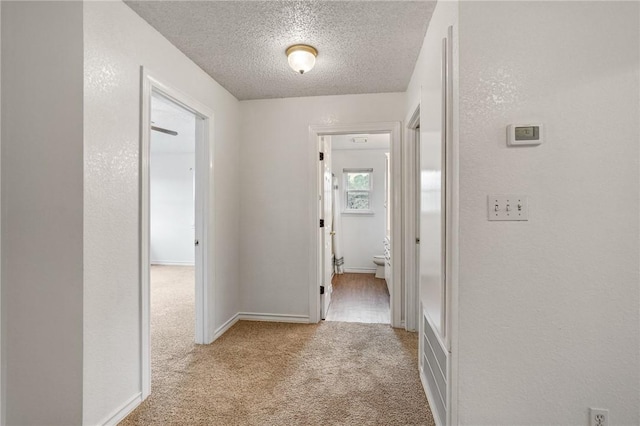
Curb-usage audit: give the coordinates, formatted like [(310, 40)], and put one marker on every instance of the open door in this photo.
[(326, 217)]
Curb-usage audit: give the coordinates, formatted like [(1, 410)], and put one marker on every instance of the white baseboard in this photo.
[(172, 263), (123, 411), (254, 316), (226, 326), (135, 400), (360, 270)]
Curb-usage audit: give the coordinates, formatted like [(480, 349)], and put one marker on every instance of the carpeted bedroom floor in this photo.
[(332, 373)]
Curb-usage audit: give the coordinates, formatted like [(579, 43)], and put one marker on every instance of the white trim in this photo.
[(410, 231), (255, 316), (172, 263), (118, 415), (226, 326), (397, 253), (395, 130), (204, 216), (356, 270), (453, 242)]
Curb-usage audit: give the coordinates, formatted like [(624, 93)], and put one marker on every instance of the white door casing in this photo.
[(316, 247), (411, 217), (326, 230), (204, 256)]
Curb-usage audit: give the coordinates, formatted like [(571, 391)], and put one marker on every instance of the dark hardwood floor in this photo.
[(359, 298)]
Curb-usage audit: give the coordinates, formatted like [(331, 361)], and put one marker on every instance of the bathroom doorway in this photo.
[(360, 235), (355, 209)]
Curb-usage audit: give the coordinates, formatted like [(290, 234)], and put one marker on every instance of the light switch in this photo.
[(507, 207)]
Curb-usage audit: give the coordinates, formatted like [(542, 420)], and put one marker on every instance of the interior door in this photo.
[(327, 217), (418, 203)]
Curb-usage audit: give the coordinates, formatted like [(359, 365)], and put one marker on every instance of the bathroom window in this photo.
[(358, 186)]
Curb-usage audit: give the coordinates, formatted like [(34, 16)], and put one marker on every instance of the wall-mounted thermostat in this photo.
[(524, 134)]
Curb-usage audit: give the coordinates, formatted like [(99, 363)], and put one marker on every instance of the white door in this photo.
[(327, 217), (418, 201)]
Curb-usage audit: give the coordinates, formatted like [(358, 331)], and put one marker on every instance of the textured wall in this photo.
[(425, 90), (362, 234), (549, 307), (42, 225), (276, 220), (117, 42)]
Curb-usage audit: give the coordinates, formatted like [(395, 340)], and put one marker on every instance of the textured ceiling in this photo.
[(363, 46)]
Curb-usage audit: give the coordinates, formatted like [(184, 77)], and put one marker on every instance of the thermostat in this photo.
[(524, 134)]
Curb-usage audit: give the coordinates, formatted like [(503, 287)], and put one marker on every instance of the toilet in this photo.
[(379, 261)]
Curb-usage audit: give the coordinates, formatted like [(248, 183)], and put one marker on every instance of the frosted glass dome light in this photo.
[(301, 57)]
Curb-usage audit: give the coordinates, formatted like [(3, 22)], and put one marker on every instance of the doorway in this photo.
[(412, 212), (357, 232), (353, 201), (172, 233), (175, 166)]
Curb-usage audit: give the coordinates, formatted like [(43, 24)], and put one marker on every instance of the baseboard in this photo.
[(254, 316), (360, 270), (123, 411), (226, 326), (171, 263)]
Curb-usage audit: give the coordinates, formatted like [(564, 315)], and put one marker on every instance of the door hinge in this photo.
[(321, 156), (321, 289), (321, 223)]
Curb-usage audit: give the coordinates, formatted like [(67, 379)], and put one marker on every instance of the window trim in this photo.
[(345, 180)]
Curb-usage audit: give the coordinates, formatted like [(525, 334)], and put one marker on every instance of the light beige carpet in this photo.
[(284, 374)]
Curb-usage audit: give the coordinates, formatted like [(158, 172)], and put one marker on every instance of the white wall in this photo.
[(425, 90), (171, 200), (549, 321), (275, 214), (172, 208), (362, 235), (42, 199), (3, 418), (116, 43)]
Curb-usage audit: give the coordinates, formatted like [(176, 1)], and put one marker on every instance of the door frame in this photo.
[(328, 286), (394, 129), (204, 258), (411, 257)]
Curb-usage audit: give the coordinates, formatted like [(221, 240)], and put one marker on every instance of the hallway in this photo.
[(359, 298), (261, 373)]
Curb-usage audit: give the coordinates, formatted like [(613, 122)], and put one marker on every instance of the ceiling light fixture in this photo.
[(301, 57)]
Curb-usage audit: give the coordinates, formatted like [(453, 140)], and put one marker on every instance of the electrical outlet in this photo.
[(598, 417)]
